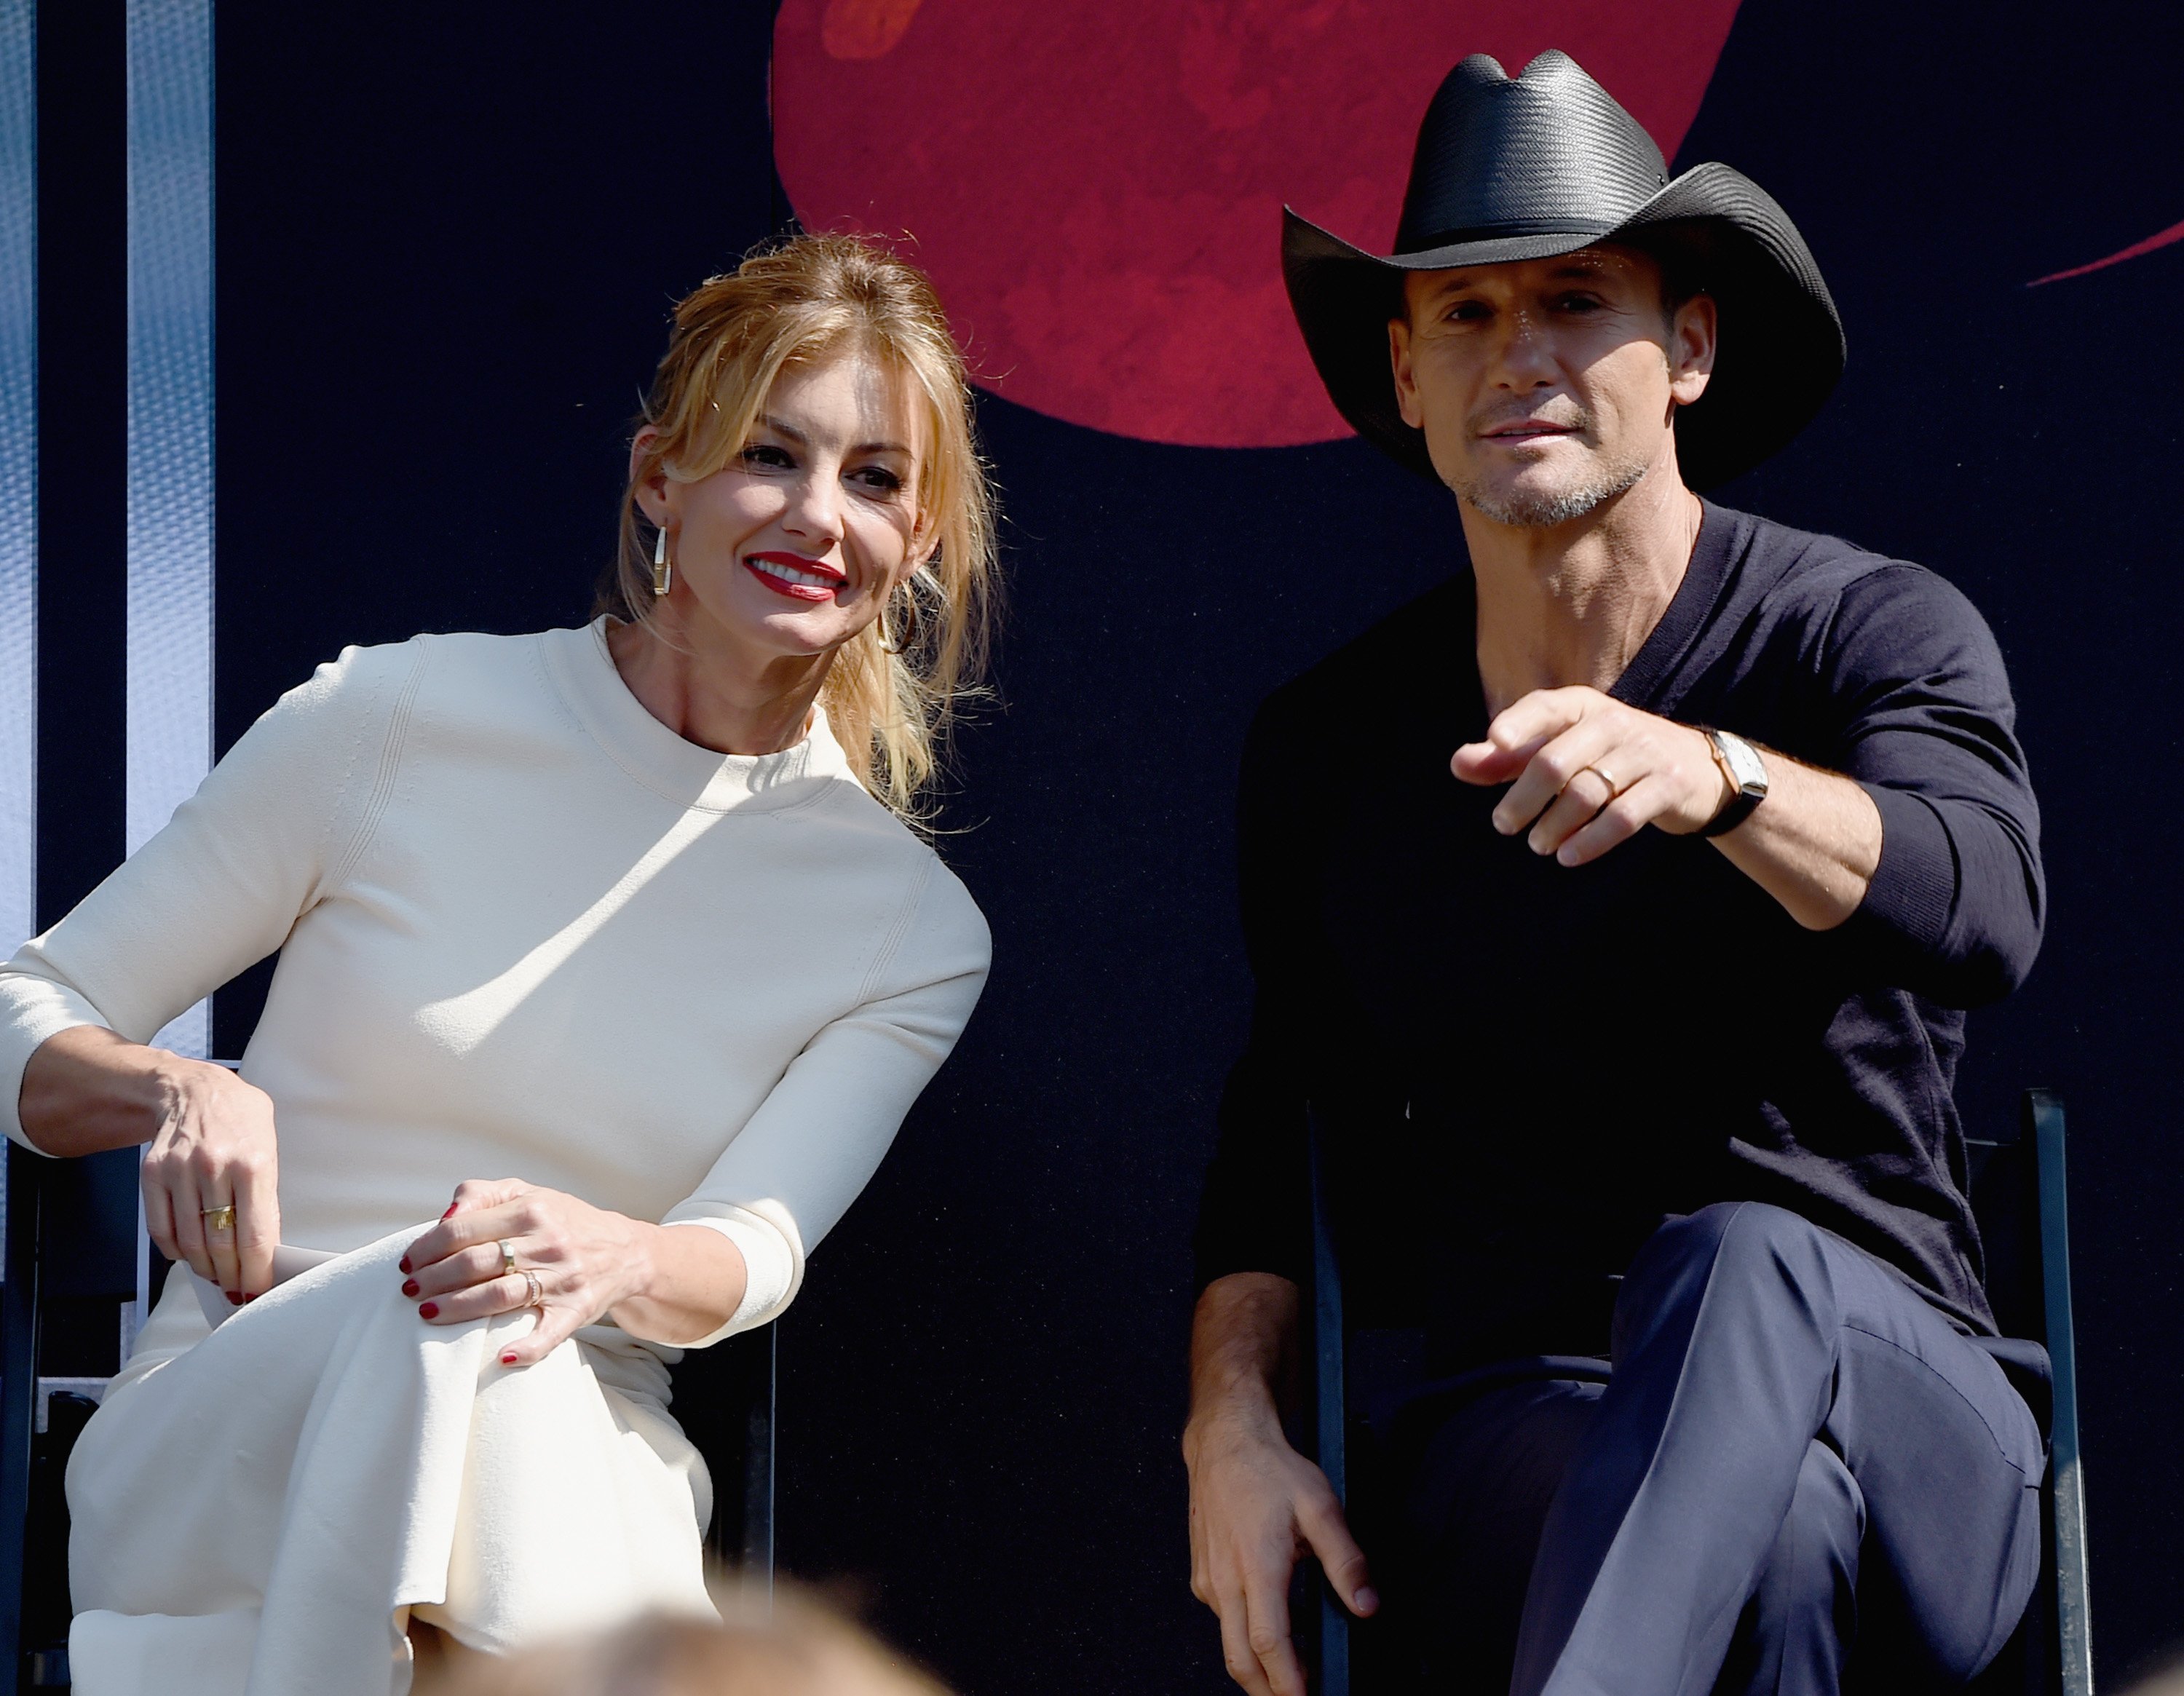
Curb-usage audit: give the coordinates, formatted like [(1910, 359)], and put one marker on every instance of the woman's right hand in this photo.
[(211, 1144), (214, 1148)]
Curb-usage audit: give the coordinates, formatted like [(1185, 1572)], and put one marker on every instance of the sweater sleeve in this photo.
[(815, 1142), (1255, 1214), (265, 836), (1957, 904)]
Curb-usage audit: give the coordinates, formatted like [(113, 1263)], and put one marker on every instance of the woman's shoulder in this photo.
[(360, 712), (941, 931), (454, 656), (340, 698), (916, 854), (955, 910), (374, 678), (937, 909)]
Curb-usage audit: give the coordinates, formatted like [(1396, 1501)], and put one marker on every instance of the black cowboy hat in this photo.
[(1545, 164)]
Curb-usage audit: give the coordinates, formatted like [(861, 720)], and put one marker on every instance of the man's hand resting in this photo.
[(1256, 1504)]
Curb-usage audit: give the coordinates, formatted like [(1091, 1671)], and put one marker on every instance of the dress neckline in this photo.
[(584, 674)]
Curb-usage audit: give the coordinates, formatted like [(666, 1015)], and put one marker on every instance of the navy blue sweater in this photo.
[(1525, 1067)]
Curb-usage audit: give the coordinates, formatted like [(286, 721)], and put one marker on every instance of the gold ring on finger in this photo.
[(507, 1257), (220, 1218), (1605, 776), (537, 1296)]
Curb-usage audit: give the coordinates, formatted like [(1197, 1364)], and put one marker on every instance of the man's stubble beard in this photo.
[(1540, 509)]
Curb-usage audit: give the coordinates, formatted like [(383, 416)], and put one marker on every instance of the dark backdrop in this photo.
[(447, 240)]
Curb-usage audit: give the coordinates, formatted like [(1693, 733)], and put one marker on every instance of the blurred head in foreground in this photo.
[(2166, 1680), (803, 1649)]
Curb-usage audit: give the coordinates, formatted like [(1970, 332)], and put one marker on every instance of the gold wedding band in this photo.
[(507, 1257), (1601, 773), (217, 1218)]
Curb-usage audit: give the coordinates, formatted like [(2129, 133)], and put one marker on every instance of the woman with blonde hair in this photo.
[(636, 913)]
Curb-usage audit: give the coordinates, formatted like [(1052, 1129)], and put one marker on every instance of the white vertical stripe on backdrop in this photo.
[(170, 421), (19, 472), (170, 449)]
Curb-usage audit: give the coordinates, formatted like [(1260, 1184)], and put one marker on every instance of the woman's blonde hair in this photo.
[(790, 1645), (891, 690)]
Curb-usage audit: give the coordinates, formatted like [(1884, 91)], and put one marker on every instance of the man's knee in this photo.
[(1755, 1254), (1730, 1236), (1753, 1229)]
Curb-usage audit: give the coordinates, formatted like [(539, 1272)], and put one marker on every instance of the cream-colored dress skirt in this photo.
[(259, 1508)]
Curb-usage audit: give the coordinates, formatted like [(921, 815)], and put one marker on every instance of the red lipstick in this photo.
[(793, 575)]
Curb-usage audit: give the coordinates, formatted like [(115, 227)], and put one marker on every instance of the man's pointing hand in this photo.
[(1591, 772)]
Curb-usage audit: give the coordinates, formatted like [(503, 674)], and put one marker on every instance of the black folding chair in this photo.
[(1330, 1407), (71, 1271), (2020, 1195), (71, 1260), (724, 1398)]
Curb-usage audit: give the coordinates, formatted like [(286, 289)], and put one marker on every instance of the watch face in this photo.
[(1745, 768)]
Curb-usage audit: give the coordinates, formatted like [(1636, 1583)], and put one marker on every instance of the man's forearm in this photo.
[(1243, 1333), (1591, 772), (1814, 843)]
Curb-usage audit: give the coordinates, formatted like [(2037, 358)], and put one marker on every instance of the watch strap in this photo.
[(1734, 812), (1744, 797)]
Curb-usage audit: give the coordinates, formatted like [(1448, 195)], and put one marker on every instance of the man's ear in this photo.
[(1691, 350), (1407, 387)]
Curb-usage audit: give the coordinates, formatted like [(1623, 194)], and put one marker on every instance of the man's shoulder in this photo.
[(1412, 647), (1836, 610), (1786, 568)]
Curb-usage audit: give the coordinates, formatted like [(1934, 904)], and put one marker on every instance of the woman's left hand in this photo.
[(584, 1260)]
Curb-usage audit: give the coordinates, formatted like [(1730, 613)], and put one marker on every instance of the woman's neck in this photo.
[(708, 690)]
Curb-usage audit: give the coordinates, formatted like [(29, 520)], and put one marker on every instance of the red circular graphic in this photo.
[(1096, 188)]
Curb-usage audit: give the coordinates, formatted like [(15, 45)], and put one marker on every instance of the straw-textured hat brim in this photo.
[(1779, 349)]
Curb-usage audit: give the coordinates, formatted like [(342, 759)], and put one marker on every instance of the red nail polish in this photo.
[(430, 1310), (406, 1266), (507, 1360), (450, 1212), (234, 1297), (410, 1287)]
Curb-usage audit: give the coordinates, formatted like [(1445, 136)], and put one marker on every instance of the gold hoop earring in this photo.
[(889, 644), (663, 569)]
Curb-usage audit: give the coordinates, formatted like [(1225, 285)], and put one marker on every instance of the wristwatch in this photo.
[(1739, 763)]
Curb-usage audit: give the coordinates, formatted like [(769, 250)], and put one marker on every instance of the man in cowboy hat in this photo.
[(1614, 907)]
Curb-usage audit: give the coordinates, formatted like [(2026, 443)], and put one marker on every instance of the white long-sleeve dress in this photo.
[(525, 930)]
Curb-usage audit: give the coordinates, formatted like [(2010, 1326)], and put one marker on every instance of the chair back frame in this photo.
[(2072, 1673)]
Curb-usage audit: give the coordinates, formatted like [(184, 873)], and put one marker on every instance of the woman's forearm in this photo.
[(693, 1280), (211, 1177), (86, 1089)]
